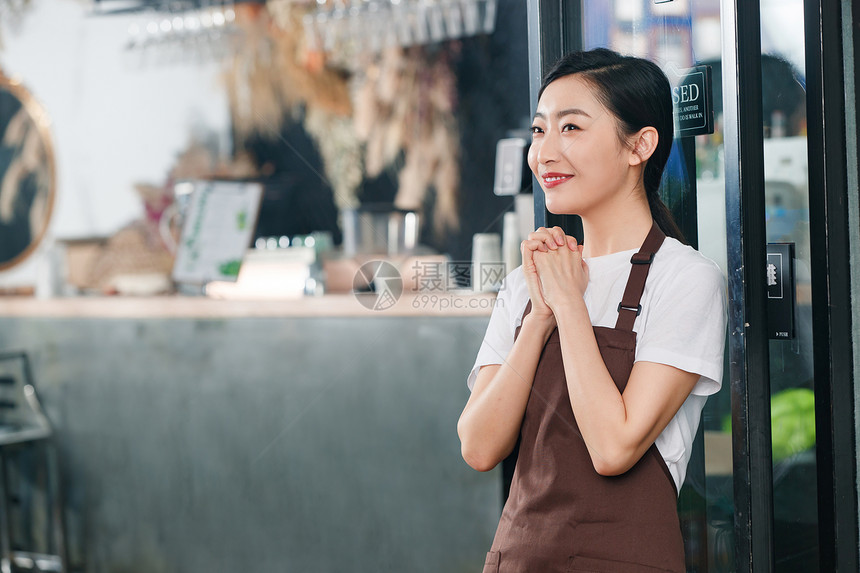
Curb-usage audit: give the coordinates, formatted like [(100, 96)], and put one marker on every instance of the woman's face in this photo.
[(576, 153)]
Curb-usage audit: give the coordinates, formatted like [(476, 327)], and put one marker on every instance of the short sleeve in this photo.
[(686, 326), (499, 338)]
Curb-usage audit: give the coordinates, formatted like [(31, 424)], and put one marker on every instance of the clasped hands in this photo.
[(554, 270)]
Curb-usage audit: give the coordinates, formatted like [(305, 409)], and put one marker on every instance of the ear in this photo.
[(644, 144)]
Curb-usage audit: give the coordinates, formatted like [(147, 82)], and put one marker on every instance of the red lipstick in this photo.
[(552, 179)]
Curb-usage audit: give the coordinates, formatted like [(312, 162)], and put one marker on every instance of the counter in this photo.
[(267, 436), (443, 304)]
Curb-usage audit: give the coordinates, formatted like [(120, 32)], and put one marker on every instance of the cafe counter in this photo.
[(448, 303), (285, 435)]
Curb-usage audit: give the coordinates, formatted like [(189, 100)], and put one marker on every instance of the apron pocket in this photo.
[(581, 564), (491, 565)]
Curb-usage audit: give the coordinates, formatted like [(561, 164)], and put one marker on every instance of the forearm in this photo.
[(598, 406), (490, 422)]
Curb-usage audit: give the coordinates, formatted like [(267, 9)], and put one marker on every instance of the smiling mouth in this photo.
[(553, 180)]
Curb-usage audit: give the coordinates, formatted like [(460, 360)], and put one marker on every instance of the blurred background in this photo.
[(249, 249)]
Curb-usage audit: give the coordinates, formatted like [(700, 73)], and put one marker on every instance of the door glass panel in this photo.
[(677, 35), (787, 214)]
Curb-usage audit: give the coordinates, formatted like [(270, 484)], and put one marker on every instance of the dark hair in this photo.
[(638, 94)]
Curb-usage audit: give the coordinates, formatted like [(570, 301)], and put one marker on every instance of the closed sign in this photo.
[(692, 101)]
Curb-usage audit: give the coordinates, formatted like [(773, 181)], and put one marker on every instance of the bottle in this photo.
[(488, 267), (511, 242)]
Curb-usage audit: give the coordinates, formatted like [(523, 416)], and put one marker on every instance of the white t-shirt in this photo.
[(682, 324)]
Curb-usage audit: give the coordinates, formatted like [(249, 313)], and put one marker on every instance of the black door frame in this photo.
[(833, 352), (749, 361), (554, 28)]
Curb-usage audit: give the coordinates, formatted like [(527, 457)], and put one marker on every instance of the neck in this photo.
[(618, 227)]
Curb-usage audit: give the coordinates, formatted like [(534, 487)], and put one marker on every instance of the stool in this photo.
[(32, 533)]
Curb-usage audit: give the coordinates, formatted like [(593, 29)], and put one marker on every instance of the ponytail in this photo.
[(663, 217)]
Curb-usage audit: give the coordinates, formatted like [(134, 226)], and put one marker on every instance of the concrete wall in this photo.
[(265, 445)]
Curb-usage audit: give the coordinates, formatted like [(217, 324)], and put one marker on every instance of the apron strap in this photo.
[(629, 307)]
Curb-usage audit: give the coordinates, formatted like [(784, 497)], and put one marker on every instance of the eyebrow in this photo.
[(564, 112)]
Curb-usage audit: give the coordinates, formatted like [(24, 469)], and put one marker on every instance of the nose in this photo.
[(541, 152), (547, 149)]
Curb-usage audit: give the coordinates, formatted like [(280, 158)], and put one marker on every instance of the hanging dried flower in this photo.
[(340, 151), (363, 109), (405, 102), (266, 80)]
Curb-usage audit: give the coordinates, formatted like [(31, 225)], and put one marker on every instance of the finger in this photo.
[(545, 235), (528, 261), (532, 281), (539, 232), (534, 245), (526, 256), (571, 244), (538, 235), (558, 235), (528, 245)]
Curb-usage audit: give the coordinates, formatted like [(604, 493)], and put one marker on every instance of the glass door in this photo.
[(684, 38), (772, 484), (788, 275)]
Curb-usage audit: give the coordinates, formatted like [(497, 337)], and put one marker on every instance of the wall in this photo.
[(493, 101), (114, 122)]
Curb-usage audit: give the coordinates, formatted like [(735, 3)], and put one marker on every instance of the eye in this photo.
[(536, 130), (569, 127)]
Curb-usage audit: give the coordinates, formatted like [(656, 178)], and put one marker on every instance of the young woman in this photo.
[(600, 374)]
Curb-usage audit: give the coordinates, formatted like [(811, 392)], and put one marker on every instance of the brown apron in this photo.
[(562, 515)]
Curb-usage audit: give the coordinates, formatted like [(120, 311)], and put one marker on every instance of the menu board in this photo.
[(217, 228)]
